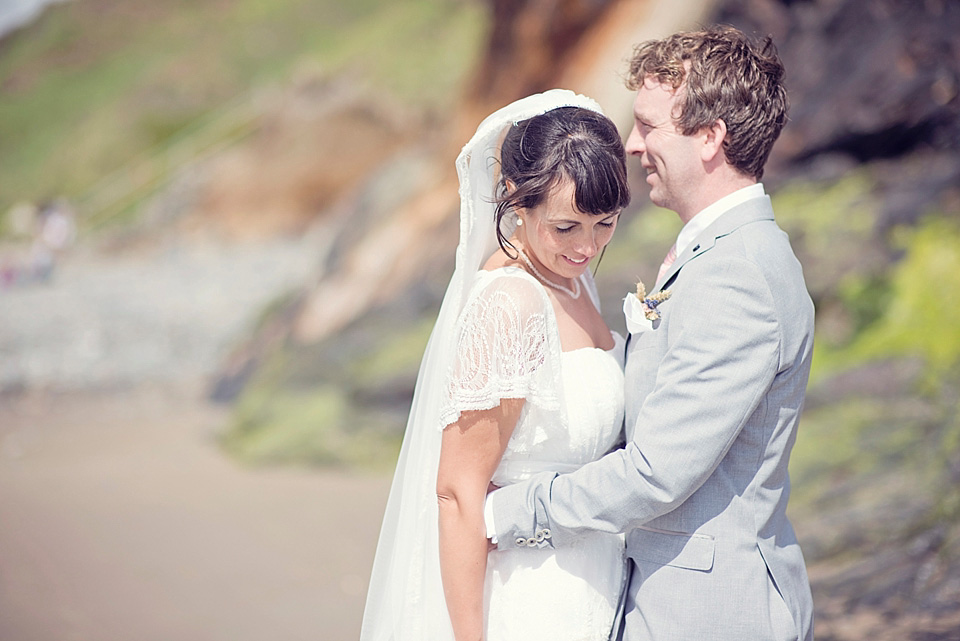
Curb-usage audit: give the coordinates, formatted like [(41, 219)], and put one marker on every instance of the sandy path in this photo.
[(120, 520)]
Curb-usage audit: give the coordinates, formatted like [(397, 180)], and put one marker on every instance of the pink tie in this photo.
[(667, 261)]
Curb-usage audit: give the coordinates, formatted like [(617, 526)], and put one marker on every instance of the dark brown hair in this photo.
[(571, 143), (723, 76)]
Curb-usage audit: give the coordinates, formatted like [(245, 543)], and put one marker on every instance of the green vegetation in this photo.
[(641, 240), (397, 357), (825, 213), (436, 41), (316, 427), (342, 402), (921, 315), (911, 310), (93, 106), (831, 226), (888, 448)]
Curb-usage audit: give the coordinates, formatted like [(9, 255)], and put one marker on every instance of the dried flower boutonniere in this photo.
[(650, 303)]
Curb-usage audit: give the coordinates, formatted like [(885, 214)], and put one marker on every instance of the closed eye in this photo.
[(644, 126), (611, 221)]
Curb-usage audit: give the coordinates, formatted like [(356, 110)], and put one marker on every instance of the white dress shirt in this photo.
[(709, 214)]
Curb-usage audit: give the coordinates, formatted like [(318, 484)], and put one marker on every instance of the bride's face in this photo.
[(562, 239)]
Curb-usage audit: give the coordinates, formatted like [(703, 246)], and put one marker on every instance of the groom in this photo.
[(715, 385)]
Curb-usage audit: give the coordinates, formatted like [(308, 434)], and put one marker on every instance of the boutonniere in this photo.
[(649, 304)]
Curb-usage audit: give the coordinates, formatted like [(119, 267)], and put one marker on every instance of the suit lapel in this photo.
[(753, 210)]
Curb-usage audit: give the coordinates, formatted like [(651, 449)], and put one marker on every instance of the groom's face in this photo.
[(671, 160)]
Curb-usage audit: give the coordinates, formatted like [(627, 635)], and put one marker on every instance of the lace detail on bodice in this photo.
[(507, 347)]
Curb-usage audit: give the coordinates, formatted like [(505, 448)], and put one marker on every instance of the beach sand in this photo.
[(121, 520)]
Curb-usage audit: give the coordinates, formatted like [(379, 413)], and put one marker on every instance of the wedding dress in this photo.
[(510, 347), (496, 337)]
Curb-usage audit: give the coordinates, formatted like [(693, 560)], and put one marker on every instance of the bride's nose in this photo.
[(588, 246)]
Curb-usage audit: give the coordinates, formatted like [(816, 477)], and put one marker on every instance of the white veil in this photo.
[(405, 600)]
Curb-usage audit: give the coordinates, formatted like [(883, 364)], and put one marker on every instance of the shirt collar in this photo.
[(708, 215)]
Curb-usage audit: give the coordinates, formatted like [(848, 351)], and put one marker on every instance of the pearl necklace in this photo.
[(572, 293)]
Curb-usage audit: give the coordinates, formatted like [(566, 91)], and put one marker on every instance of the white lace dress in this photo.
[(509, 347)]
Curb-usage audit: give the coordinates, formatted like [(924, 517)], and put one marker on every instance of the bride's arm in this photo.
[(470, 452)]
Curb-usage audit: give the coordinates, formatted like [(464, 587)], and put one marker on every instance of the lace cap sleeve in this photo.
[(507, 347)]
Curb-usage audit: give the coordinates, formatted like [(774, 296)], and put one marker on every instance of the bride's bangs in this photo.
[(600, 185)]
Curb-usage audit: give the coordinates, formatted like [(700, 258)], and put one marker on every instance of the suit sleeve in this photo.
[(723, 353)]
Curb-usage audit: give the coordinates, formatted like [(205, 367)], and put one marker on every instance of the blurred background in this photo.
[(225, 229)]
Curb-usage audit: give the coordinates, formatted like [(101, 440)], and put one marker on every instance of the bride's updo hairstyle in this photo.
[(565, 143)]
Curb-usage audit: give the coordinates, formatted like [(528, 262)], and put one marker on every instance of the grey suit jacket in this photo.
[(714, 392)]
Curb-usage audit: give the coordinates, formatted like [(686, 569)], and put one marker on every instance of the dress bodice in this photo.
[(592, 392)]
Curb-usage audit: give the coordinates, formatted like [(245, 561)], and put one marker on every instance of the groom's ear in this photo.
[(713, 137)]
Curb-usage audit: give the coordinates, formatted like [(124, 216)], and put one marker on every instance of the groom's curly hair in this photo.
[(722, 75)]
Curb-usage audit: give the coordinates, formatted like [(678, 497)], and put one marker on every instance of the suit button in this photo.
[(521, 542)]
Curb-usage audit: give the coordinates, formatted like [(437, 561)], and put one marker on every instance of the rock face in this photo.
[(870, 81), (529, 45), (314, 142)]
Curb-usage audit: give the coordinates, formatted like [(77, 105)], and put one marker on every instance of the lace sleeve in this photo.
[(507, 347)]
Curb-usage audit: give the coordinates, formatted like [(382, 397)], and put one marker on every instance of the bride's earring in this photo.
[(519, 222)]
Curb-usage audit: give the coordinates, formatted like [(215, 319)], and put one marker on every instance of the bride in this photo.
[(521, 375)]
